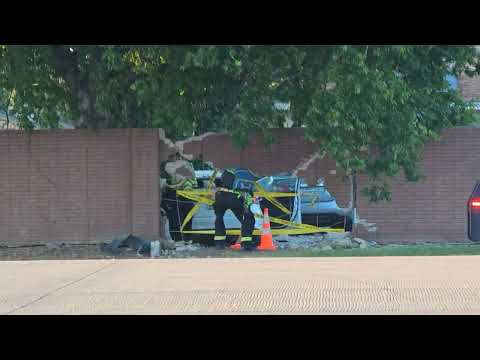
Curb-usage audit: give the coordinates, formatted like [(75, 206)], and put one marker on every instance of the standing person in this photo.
[(180, 176), (226, 198), (168, 203)]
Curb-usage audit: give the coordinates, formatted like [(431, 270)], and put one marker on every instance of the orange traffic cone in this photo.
[(266, 240), (236, 246)]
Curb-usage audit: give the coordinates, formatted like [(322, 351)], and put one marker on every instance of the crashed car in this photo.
[(319, 208), (305, 205), (204, 219)]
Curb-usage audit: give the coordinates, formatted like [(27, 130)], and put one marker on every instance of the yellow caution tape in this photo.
[(203, 192), (205, 197), (196, 198), (190, 215), (305, 227), (276, 194), (298, 229), (212, 179), (257, 232), (266, 195)]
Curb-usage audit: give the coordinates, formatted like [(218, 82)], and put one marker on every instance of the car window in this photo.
[(272, 184), (316, 194)]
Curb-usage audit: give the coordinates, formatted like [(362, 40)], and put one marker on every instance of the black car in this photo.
[(473, 214)]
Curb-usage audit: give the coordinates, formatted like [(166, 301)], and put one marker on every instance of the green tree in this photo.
[(371, 108)]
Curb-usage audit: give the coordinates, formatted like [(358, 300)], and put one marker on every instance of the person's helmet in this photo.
[(228, 179)]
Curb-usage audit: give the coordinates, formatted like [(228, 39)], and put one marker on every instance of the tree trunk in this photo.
[(82, 97), (90, 117)]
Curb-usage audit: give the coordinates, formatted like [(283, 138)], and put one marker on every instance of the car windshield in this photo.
[(316, 194), (278, 184)]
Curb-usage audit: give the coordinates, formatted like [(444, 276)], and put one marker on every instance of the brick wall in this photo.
[(433, 209), (77, 185)]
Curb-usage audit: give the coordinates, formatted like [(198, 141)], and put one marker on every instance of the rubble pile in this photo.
[(180, 169), (187, 247), (287, 242), (324, 242), (315, 242), (127, 242)]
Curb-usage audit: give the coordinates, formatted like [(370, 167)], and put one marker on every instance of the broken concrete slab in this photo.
[(342, 244), (141, 246), (304, 165), (359, 241), (55, 245), (191, 247), (178, 147), (180, 169), (181, 144), (298, 242), (327, 242), (162, 136), (332, 236), (167, 244)]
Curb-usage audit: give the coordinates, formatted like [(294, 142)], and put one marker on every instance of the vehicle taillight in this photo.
[(475, 203)]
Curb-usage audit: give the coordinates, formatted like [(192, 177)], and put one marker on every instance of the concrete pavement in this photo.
[(386, 285)]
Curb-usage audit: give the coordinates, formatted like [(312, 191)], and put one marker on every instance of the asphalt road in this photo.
[(386, 285)]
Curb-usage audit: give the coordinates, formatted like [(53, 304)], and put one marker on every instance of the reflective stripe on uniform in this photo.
[(185, 185), (248, 199), (189, 184), (220, 238), (230, 191), (246, 238)]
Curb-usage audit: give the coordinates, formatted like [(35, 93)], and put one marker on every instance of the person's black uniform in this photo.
[(177, 207), (226, 198)]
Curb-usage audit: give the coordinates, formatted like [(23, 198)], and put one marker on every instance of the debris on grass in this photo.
[(325, 242), (127, 241)]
